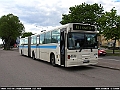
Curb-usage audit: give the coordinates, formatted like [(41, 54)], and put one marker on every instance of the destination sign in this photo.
[(83, 27)]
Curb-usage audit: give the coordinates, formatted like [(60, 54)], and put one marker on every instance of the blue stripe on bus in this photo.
[(33, 46), (23, 46), (50, 47), (47, 47)]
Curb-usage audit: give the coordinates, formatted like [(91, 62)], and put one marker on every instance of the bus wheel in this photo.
[(33, 56), (52, 59)]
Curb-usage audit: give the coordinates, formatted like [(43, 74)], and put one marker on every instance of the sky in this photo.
[(37, 15)]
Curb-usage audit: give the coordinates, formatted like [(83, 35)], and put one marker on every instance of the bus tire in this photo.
[(33, 55), (52, 59)]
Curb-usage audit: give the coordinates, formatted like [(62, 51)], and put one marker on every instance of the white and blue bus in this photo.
[(73, 44)]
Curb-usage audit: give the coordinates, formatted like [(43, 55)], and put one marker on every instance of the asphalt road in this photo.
[(16, 70), (112, 62), (117, 58)]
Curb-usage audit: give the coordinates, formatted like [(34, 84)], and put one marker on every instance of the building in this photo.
[(107, 43)]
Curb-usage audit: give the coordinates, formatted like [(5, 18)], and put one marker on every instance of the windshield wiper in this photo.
[(91, 49), (81, 49)]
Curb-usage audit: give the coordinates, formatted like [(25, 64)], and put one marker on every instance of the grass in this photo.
[(110, 53)]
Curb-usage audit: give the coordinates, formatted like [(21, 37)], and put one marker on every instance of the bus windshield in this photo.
[(78, 40)]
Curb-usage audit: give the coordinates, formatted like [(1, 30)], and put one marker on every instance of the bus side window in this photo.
[(38, 39), (34, 40), (42, 41), (48, 37), (26, 41), (55, 36), (22, 41)]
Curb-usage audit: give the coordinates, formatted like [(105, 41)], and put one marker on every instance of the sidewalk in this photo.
[(109, 63)]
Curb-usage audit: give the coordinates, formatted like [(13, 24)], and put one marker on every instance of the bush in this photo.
[(104, 46), (116, 48)]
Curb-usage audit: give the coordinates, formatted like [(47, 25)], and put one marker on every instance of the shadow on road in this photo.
[(76, 68)]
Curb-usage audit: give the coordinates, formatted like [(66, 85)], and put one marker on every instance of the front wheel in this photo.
[(52, 59)]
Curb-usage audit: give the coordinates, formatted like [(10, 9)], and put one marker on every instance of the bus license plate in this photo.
[(86, 61)]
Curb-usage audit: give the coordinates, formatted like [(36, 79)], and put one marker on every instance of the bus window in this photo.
[(91, 40), (42, 39), (22, 41), (48, 37), (26, 41), (37, 39), (34, 40), (75, 40), (31, 40), (55, 36), (81, 40)]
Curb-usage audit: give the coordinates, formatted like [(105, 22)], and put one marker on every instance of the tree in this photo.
[(110, 24), (10, 29), (26, 34), (84, 13)]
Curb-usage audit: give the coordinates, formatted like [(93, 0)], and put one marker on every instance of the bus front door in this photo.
[(62, 47)]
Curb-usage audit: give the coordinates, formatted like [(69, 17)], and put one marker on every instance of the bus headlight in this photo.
[(96, 55)]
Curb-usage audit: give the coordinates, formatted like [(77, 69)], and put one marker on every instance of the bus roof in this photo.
[(60, 27)]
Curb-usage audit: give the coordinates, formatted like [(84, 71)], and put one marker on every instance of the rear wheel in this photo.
[(52, 59)]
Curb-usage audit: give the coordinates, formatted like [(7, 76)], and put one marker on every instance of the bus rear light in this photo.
[(56, 56), (68, 56)]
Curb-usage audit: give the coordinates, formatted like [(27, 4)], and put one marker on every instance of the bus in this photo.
[(73, 44)]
